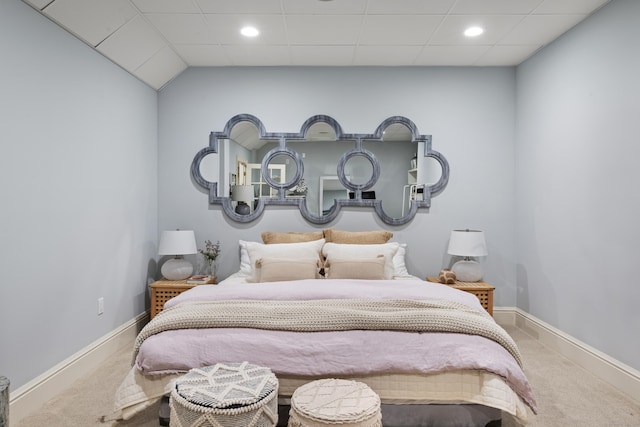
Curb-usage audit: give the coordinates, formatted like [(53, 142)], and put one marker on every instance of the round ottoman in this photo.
[(225, 395), (335, 402)]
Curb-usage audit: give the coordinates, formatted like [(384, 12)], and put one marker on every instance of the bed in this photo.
[(318, 309)]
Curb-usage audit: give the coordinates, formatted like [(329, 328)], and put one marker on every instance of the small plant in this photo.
[(210, 251)]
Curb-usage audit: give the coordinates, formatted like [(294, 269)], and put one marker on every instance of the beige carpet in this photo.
[(567, 395)]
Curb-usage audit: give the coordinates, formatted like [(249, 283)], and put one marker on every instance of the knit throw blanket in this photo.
[(330, 315)]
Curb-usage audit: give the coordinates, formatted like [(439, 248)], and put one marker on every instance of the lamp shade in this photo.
[(467, 243), (242, 193), (177, 242)]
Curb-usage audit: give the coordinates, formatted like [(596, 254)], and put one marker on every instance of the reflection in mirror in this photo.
[(209, 167), (359, 169), (397, 154), (395, 160), (432, 170), (317, 168), (330, 189)]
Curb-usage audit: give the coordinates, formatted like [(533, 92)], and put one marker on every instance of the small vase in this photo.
[(210, 267)]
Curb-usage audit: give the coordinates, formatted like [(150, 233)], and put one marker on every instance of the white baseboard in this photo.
[(505, 315), (621, 376), (31, 396)]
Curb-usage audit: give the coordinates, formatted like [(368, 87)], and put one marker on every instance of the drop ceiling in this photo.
[(155, 40)]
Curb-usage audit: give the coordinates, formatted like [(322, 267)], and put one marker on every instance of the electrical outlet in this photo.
[(100, 306)]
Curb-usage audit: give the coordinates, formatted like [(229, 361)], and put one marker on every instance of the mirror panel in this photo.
[(320, 169), (359, 170)]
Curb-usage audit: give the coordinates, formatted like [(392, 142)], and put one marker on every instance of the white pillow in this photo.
[(399, 267), (340, 251), (255, 251), (245, 262)]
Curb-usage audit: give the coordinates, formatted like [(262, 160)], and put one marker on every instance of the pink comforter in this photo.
[(343, 353)]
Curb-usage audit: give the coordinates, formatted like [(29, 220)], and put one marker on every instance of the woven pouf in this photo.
[(225, 395), (335, 402)]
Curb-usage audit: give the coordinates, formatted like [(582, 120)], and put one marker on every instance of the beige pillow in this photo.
[(366, 269), (340, 251), (357, 237), (283, 269), (304, 250), (269, 237)]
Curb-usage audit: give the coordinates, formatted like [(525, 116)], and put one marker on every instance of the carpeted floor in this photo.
[(567, 395)]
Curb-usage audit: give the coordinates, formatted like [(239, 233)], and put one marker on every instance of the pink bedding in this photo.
[(355, 352)]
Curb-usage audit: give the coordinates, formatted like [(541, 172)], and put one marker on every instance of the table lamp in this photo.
[(243, 193), (177, 243), (467, 243)]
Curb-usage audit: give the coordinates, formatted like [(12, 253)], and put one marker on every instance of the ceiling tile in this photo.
[(450, 55), (166, 6), (398, 29), (202, 55), (239, 6), (528, 31), (402, 7), (160, 68), (498, 56), (263, 55), (159, 38), (182, 28), (570, 6), (323, 29), (225, 29), (315, 7), (386, 55), (134, 43), (322, 55), (91, 20), (501, 7), (495, 27)]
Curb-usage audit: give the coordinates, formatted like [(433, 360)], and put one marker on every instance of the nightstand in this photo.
[(163, 290), (482, 290)]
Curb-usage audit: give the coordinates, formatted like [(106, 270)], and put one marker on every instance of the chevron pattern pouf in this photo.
[(331, 402), (225, 395)]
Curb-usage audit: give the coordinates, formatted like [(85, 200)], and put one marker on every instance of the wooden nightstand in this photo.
[(482, 290), (163, 290)]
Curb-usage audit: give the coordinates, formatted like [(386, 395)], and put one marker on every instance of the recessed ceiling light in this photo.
[(249, 31), (473, 31)]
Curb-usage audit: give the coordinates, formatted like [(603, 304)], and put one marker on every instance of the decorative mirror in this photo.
[(321, 169)]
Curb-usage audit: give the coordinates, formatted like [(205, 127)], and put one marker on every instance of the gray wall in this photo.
[(78, 187), (577, 172), (469, 112)]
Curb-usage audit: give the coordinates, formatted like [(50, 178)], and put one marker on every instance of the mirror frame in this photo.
[(357, 201)]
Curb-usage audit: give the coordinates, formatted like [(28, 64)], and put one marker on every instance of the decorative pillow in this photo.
[(282, 269), (399, 267), (366, 268), (256, 251), (339, 251), (269, 237), (357, 237)]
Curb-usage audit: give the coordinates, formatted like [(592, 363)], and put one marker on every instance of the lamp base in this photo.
[(467, 271), (176, 269)]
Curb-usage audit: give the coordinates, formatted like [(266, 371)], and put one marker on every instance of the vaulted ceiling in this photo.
[(155, 40)]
